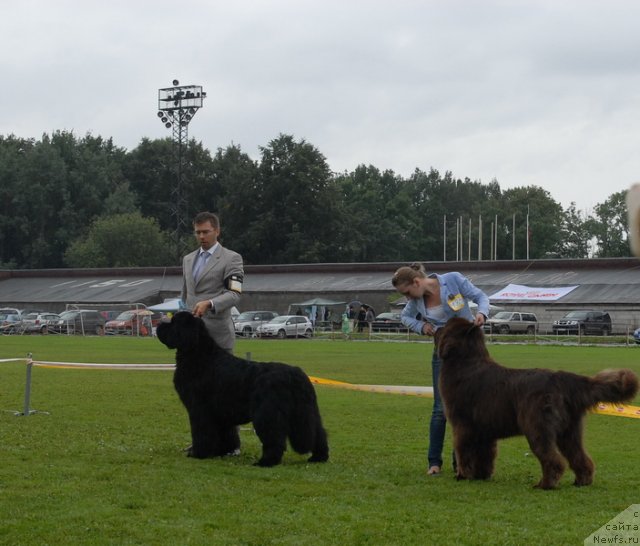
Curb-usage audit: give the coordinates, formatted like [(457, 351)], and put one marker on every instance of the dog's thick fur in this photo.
[(485, 401), (221, 391)]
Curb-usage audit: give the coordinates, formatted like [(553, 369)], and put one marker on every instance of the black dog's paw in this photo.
[(266, 463), (198, 454), (318, 459)]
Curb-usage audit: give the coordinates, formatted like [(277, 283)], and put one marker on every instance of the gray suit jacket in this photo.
[(211, 285)]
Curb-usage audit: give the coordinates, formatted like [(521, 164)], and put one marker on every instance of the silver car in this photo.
[(247, 323), (287, 326), (10, 320), (39, 322)]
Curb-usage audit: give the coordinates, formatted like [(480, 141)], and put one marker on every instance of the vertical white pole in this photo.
[(527, 232), (444, 244), (495, 245), (513, 235), (479, 238)]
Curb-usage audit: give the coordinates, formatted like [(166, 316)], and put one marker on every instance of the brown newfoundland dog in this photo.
[(485, 401)]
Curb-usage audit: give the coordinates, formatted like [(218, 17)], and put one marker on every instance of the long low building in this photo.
[(612, 285)]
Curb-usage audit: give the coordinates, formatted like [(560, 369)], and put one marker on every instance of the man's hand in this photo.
[(201, 308)]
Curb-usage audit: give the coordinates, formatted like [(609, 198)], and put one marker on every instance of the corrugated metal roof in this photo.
[(612, 281)]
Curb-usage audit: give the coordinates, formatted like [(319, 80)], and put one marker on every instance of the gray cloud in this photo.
[(526, 92)]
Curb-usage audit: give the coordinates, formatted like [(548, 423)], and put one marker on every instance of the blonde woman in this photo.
[(431, 301)]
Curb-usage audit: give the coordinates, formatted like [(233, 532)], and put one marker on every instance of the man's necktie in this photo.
[(200, 261)]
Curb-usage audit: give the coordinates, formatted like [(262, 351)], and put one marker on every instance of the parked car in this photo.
[(388, 322), (79, 321), (137, 322), (10, 320), (636, 336), (286, 326), (512, 322), (583, 322), (247, 323), (39, 322)]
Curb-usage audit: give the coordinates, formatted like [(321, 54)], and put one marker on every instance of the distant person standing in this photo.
[(212, 278), (362, 318), (369, 317)]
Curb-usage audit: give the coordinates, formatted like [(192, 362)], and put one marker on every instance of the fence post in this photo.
[(27, 387), (27, 391)]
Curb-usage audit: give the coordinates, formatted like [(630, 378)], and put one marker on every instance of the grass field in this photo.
[(105, 466)]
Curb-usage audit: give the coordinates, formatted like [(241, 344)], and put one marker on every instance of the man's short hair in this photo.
[(203, 217)]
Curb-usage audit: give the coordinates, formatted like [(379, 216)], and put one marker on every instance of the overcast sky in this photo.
[(543, 93)]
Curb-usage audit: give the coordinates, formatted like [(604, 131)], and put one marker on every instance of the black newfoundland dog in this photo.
[(221, 391), (485, 401)]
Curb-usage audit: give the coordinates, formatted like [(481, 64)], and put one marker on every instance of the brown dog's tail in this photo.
[(614, 386)]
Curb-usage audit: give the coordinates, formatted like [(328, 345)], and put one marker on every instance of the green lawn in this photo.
[(105, 466)]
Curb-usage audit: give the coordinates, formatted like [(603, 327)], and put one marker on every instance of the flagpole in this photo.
[(527, 232)]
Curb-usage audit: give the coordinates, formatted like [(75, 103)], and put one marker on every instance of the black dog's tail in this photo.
[(613, 386)]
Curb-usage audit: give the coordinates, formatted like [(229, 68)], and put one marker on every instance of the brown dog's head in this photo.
[(459, 339), (184, 332)]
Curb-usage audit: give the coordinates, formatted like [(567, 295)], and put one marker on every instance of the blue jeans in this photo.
[(438, 420)]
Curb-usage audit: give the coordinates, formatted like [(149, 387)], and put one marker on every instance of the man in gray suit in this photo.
[(212, 279)]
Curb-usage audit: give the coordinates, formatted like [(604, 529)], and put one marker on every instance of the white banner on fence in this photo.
[(529, 293)]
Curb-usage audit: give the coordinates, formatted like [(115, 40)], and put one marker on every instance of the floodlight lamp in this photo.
[(168, 125), (164, 119), (160, 114), (176, 82)]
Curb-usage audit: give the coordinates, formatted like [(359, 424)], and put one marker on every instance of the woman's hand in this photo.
[(479, 320), (428, 329)]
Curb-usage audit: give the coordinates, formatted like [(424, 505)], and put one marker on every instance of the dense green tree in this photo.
[(294, 222), (533, 207), (52, 189), (376, 221), (444, 204), (123, 240), (610, 226), (574, 240), (150, 172), (285, 207), (236, 176), (121, 200), (151, 169)]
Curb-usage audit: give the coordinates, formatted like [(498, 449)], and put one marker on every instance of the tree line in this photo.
[(69, 201)]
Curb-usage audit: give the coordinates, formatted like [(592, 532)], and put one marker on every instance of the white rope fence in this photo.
[(622, 410)]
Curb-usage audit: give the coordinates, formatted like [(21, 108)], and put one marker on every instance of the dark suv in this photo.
[(583, 322), (79, 321)]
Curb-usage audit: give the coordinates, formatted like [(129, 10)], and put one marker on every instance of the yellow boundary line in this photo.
[(602, 408)]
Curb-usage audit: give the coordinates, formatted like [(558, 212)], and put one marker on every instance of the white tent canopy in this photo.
[(317, 308)]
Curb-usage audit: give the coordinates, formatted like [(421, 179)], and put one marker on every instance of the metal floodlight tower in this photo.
[(176, 107)]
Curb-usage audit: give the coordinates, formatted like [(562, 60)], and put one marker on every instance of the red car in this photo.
[(136, 322)]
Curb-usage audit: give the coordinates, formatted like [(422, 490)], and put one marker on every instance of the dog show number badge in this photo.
[(455, 302)]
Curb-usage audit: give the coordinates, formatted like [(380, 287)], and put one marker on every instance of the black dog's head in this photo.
[(459, 339), (185, 332)]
